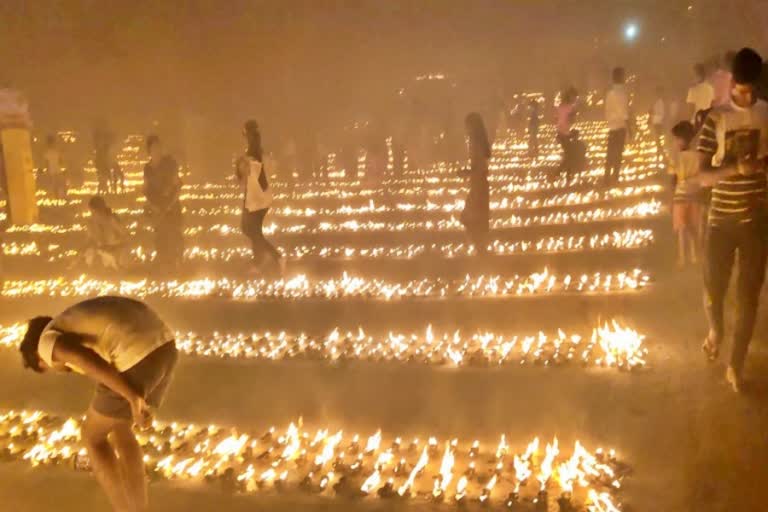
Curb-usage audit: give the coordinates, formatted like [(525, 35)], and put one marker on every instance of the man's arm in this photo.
[(709, 176), (93, 366)]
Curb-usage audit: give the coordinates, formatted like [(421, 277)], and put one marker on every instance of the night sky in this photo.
[(318, 61)]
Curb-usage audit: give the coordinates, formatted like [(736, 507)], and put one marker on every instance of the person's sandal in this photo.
[(711, 349)]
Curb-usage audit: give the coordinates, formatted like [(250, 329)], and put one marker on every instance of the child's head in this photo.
[(154, 148), (570, 95), (683, 132), (575, 134), (618, 75), (700, 70), (50, 140), (98, 206)]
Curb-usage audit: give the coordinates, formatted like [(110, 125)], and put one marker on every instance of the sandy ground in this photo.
[(694, 446)]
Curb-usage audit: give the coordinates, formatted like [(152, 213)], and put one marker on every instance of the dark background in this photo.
[(314, 64)]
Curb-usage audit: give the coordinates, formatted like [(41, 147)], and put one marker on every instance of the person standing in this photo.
[(102, 160), (734, 157), (721, 81), (686, 205), (107, 236), (658, 117), (701, 94), (533, 128), (127, 350), (162, 187), (617, 117), (565, 116), (54, 169), (476, 214), (252, 176)]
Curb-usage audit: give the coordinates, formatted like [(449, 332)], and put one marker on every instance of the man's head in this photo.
[(28, 348), (154, 147), (700, 70), (683, 132), (618, 75), (746, 70)]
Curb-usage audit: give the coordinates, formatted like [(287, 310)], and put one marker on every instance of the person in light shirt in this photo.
[(700, 95), (251, 174), (658, 117), (129, 352), (617, 116), (721, 81)]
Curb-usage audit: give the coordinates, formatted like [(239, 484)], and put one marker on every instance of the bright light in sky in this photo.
[(631, 31)]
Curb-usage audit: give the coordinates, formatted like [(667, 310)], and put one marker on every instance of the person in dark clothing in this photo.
[(578, 153), (476, 214), (162, 187), (734, 157), (533, 129), (252, 176), (103, 139)]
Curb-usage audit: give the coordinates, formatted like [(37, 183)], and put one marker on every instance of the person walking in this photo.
[(162, 187), (617, 117), (54, 168), (565, 116), (658, 119), (734, 158), (476, 214), (701, 94), (257, 198), (533, 128)]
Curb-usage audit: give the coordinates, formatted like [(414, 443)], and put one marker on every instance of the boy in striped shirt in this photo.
[(734, 152)]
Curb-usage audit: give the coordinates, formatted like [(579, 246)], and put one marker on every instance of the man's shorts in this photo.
[(686, 215), (150, 377)]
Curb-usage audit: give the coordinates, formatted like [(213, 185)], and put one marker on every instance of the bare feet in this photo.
[(734, 379), (711, 347)]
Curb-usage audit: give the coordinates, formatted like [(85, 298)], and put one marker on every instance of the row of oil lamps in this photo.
[(330, 462), (346, 286), (610, 345)]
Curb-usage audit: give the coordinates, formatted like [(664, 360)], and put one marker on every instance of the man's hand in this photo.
[(748, 167), (142, 417)]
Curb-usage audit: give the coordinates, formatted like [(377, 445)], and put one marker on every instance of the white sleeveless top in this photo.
[(256, 198)]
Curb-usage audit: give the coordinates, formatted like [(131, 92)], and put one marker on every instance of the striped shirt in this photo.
[(731, 133)]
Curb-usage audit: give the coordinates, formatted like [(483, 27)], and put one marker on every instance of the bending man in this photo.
[(129, 352)]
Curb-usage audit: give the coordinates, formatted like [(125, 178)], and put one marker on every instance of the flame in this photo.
[(420, 465), (545, 472), (461, 488), (373, 442), (372, 482), (328, 449), (446, 467), (600, 502)]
